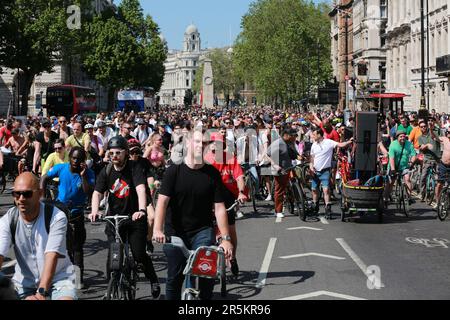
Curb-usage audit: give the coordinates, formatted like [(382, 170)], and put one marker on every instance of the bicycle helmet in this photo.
[(118, 142)]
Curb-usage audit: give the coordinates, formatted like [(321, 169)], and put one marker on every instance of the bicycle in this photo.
[(124, 270), (400, 195), (248, 178), (443, 203), (295, 195), (430, 184), (205, 262)]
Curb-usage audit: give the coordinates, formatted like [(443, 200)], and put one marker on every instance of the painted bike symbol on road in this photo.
[(433, 243)]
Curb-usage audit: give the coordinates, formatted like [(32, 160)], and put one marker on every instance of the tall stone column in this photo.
[(208, 85)]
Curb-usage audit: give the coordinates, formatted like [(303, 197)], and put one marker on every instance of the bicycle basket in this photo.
[(205, 263), (115, 256)]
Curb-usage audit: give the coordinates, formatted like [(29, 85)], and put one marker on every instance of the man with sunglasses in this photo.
[(126, 184), (430, 150), (76, 182), (43, 267)]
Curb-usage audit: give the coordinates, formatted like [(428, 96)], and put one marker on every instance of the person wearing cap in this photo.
[(281, 153), (142, 132), (233, 179), (401, 155), (43, 145)]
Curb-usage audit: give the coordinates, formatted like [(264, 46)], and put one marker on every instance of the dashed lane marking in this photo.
[(323, 220), (309, 254), (305, 228), (261, 282), (322, 293)]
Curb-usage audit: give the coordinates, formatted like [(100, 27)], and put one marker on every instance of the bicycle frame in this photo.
[(204, 262)]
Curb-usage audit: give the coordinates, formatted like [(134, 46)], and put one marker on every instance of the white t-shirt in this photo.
[(32, 243), (323, 154)]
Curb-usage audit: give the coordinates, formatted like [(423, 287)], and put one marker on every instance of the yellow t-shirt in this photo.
[(72, 141), (52, 160)]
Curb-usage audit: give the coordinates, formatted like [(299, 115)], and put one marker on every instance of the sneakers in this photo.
[(156, 291), (279, 215), (234, 267), (269, 198), (239, 215)]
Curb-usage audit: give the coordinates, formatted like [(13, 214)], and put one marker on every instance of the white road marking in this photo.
[(9, 264), (323, 220), (266, 264), (355, 258), (322, 293), (306, 228), (309, 254)]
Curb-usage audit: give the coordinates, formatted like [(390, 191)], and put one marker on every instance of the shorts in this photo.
[(60, 289), (321, 178), (443, 173)]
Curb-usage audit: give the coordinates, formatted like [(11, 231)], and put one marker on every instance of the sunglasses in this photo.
[(135, 152), (26, 194), (423, 127), (127, 128), (63, 122), (58, 148), (116, 153)]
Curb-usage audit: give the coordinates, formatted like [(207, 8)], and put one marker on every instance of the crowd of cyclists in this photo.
[(176, 170)]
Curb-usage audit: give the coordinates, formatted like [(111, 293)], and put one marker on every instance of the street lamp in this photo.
[(423, 111)]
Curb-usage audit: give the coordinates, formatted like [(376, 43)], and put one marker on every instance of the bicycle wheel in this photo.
[(404, 203), (397, 196), (299, 199), (289, 200), (430, 189), (113, 291), (443, 206), (253, 193)]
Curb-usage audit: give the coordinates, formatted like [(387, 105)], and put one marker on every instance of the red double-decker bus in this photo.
[(68, 100)]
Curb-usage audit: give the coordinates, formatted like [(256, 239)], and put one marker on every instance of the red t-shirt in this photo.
[(230, 170), (333, 135), (5, 134)]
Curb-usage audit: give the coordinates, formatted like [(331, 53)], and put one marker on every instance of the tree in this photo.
[(278, 49), (33, 34), (125, 50)]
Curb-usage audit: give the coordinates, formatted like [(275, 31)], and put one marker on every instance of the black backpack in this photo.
[(48, 212)]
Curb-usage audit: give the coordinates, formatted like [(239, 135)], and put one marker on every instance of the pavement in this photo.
[(402, 258)]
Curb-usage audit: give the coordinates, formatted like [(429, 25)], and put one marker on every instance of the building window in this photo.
[(193, 47), (383, 8), (362, 69), (187, 83), (383, 71), (193, 37), (187, 63), (194, 63)]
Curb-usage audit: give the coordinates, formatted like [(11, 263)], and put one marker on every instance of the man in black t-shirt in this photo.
[(43, 145), (125, 183), (190, 190)]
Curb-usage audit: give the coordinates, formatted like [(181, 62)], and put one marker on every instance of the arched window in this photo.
[(193, 37)]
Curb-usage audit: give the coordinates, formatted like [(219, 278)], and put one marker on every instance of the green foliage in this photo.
[(283, 50), (125, 50)]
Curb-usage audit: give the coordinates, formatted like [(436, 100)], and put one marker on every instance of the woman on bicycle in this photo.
[(155, 153), (59, 156)]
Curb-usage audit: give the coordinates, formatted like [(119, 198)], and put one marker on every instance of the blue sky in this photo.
[(215, 19)]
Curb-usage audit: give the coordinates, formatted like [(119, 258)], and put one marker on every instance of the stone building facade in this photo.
[(181, 68)]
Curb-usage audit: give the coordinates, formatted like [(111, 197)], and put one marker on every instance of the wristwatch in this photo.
[(43, 292), (143, 211), (226, 238)]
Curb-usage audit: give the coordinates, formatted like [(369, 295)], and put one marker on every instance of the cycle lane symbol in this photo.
[(429, 243)]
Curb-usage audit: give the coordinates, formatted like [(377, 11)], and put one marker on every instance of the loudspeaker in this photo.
[(366, 136)]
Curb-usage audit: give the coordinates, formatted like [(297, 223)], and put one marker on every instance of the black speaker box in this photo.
[(366, 136)]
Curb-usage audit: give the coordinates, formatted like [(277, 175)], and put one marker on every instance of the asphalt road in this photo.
[(402, 258)]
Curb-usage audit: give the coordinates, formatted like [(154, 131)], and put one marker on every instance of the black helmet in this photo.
[(118, 142)]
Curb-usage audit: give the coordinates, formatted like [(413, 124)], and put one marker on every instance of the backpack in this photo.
[(48, 213)]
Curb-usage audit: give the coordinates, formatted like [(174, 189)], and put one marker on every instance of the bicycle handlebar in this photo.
[(236, 203)]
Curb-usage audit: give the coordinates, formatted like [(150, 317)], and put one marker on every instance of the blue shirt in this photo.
[(70, 184)]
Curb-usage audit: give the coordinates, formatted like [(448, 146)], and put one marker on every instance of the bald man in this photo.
[(43, 270)]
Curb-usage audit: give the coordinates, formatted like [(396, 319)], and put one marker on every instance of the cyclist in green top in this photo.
[(401, 155)]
